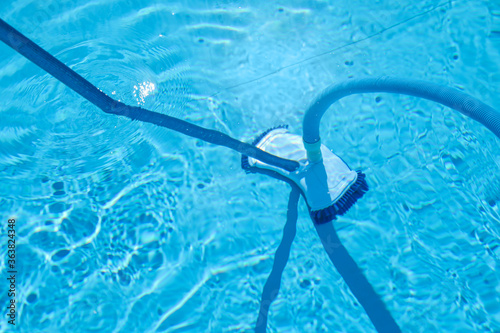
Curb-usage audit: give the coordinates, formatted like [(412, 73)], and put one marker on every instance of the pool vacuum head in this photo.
[(329, 186)]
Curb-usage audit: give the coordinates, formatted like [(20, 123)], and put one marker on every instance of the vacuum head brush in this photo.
[(329, 186)]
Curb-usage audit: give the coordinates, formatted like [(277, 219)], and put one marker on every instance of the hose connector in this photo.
[(313, 151)]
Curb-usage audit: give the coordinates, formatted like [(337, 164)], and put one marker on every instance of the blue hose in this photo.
[(465, 104), (358, 284), (273, 283), (449, 97), (73, 80)]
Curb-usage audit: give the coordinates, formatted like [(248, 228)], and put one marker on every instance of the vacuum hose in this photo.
[(449, 97), (73, 80)]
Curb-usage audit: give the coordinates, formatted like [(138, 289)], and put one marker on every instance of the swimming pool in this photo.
[(128, 227)]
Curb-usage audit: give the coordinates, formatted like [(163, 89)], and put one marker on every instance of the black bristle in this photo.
[(245, 165), (263, 134), (355, 192)]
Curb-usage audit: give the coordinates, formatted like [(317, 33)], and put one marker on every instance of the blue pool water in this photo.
[(127, 227)]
